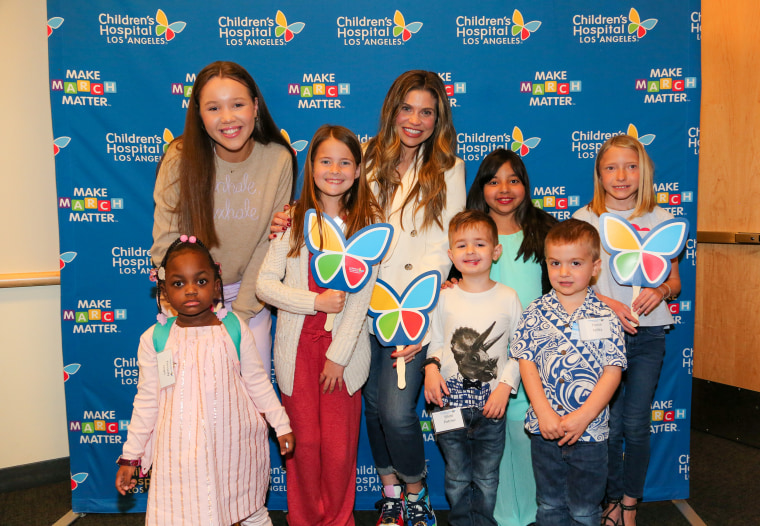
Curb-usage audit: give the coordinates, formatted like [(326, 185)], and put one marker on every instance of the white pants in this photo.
[(260, 325), (259, 518)]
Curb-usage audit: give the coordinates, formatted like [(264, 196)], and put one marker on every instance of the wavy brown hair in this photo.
[(197, 167), (358, 205), (438, 152)]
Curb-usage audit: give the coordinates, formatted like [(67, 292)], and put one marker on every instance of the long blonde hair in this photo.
[(645, 198), (438, 153)]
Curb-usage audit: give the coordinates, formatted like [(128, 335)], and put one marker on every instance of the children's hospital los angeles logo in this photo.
[(366, 31), (151, 30), (484, 30), (258, 31), (598, 28)]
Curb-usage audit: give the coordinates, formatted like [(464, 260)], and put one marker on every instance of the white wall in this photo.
[(31, 365)]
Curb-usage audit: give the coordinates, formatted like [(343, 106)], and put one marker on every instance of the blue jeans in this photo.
[(631, 413), (569, 481), (393, 426), (472, 457)]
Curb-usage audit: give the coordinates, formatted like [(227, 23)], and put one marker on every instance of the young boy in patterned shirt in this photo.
[(571, 353)]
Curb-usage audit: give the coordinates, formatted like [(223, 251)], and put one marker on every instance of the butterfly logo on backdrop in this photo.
[(297, 146), (69, 370), (520, 145), (524, 30), (77, 479), (646, 140), (163, 26), (637, 25), (402, 28), (60, 143), (342, 264), (641, 259), (168, 137), (66, 257), (403, 319), (283, 28), (53, 23)]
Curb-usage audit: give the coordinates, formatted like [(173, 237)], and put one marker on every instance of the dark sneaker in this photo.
[(391, 508), (418, 509)]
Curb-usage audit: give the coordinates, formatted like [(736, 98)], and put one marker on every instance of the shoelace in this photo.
[(390, 508), (418, 512)]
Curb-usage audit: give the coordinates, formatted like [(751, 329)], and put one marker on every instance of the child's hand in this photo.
[(280, 222), (287, 443), (550, 425), (623, 312), (407, 353), (449, 283), (331, 375), (647, 300), (496, 404), (330, 301), (434, 385), (124, 480), (573, 426)]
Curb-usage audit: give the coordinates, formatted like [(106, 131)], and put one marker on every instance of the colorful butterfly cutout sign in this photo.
[(404, 319), (637, 261), (339, 264)]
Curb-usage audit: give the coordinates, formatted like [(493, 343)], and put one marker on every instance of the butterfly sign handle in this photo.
[(636, 289), (329, 321), (401, 368)]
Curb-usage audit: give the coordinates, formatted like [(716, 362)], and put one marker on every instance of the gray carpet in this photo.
[(724, 491)]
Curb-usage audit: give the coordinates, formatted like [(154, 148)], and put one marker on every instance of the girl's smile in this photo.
[(335, 171), (504, 192), (229, 116), (619, 172)]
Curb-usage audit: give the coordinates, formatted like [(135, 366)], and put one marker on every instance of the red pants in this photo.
[(321, 475)]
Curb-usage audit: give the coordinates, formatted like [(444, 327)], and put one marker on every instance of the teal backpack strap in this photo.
[(232, 324), (161, 334)]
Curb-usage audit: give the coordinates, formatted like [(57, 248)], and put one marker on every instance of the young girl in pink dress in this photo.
[(197, 417)]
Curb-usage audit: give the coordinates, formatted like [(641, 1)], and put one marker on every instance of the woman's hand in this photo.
[(407, 353), (623, 312), (280, 222)]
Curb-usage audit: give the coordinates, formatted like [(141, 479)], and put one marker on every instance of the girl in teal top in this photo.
[(502, 190)]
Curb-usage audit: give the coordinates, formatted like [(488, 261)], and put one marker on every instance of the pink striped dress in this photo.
[(204, 435)]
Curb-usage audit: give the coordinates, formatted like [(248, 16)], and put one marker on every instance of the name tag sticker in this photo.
[(165, 369), (595, 329), (447, 420)]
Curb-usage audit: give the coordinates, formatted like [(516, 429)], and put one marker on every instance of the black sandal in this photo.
[(606, 520), (625, 508)]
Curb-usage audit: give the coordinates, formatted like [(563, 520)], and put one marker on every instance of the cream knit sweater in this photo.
[(284, 283)]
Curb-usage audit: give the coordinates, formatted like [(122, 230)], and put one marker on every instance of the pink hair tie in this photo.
[(183, 238), (192, 239)]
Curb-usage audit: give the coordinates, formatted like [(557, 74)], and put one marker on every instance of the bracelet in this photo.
[(127, 462), (429, 361), (670, 291)]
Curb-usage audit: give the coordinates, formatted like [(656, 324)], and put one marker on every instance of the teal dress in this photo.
[(516, 496)]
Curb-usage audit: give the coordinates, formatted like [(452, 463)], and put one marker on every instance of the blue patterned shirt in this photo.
[(568, 366)]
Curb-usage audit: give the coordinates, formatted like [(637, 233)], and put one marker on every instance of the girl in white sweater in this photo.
[(320, 373)]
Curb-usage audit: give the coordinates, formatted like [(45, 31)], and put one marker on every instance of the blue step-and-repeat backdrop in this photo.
[(551, 80)]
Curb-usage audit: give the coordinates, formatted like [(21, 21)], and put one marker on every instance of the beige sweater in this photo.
[(246, 196), (284, 283)]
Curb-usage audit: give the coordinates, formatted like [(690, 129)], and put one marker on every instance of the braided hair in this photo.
[(181, 244)]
